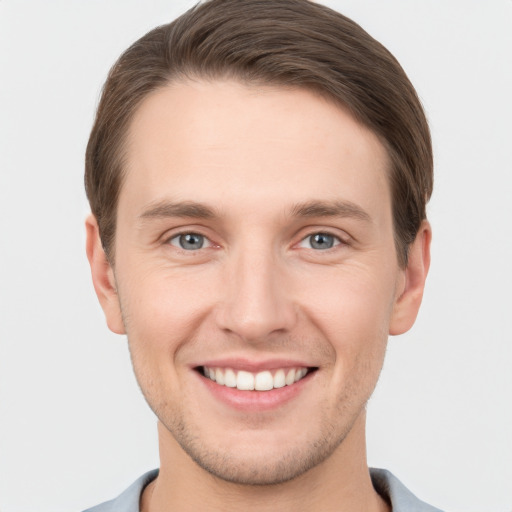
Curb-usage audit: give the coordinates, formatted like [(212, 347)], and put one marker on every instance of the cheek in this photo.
[(164, 310), (353, 310), (163, 301), (352, 301), (161, 312)]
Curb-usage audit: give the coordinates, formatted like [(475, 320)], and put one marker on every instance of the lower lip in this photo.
[(255, 401)]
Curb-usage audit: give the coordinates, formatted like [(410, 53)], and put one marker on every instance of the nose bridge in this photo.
[(257, 302)]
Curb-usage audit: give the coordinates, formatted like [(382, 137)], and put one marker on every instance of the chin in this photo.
[(259, 471), (256, 460)]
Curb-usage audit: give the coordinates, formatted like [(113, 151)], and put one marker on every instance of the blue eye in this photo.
[(189, 241), (320, 241)]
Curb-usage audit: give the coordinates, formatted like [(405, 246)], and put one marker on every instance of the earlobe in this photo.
[(103, 277), (409, 298)]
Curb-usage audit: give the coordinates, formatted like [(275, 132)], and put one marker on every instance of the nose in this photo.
[(257, 298)]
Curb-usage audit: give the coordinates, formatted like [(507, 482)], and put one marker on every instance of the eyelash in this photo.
[(189, 233), (337, 241)]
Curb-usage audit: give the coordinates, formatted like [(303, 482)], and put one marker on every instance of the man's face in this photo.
[(254, 244)]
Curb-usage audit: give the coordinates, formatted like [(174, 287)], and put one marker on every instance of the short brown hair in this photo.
[(293, 43)]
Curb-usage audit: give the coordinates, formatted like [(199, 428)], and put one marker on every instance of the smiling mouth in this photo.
[(261, 381)]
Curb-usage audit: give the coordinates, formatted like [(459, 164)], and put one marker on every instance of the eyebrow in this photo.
[(330, 209), (309, 209), (189, 209)]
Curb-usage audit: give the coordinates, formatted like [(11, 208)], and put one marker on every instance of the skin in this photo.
[(257, 289)]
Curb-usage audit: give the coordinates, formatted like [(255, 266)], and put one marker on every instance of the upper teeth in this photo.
[(261, 381)]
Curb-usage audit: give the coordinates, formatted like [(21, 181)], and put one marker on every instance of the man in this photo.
[(258, 173)]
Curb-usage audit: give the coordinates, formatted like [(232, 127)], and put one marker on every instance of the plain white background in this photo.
[(74, 429)]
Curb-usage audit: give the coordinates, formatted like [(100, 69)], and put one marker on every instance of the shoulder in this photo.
[(400, 498), (129, 500)]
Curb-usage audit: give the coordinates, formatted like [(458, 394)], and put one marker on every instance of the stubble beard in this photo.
[(255, 471), (263, 469)]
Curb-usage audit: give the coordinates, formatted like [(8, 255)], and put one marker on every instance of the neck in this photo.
[(341, 483)]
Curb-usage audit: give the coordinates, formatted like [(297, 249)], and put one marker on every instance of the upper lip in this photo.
[(252, 365)]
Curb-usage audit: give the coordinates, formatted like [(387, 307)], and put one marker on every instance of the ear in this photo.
[(103, 277), (408, 301)]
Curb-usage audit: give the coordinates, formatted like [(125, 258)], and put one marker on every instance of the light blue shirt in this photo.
[(385, 483)]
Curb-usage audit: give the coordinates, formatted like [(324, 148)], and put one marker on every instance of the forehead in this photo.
[(224, 141)]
